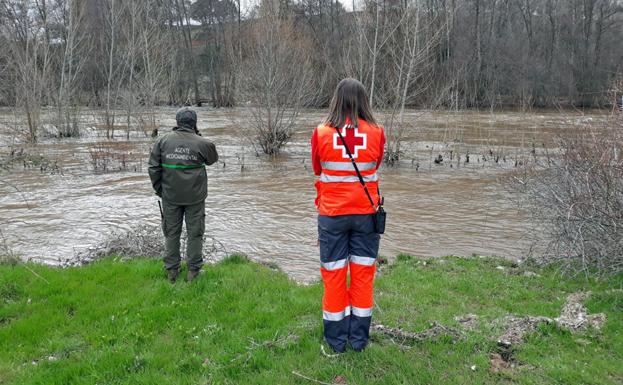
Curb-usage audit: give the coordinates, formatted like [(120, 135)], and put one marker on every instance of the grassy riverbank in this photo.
[(119, 322)]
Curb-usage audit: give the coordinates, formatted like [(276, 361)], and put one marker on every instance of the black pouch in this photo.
[(379, 219)]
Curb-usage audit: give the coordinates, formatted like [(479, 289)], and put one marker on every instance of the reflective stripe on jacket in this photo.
[(339, 191)]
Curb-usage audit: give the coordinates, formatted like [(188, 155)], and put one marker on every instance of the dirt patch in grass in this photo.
[(500, 363), (574, 317), (467, 321), (517, 327)]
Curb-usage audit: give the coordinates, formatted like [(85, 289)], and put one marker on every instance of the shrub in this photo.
[(575, 202)]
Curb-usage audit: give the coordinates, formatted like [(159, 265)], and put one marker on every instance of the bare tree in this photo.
[(29, 58), (374, 28), (484, 53), (218, 52), (183, 21), (75, 47), (274, 77), (156, 50), (413, 56), (113, 16)]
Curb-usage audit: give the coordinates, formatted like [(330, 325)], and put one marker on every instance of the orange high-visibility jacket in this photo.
[(339, 191)]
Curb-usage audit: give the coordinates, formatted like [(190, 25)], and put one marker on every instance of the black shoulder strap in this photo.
[(363, 183)]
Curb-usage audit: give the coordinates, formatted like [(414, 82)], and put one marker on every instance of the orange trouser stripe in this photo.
[(362, 285), (335, 298)]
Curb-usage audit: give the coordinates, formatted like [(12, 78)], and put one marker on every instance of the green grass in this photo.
[(117, 322)]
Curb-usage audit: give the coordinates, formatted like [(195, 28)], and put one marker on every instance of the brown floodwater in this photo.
[(263, 207)]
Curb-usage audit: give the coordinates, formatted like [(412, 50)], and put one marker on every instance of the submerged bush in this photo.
[(575, 202)]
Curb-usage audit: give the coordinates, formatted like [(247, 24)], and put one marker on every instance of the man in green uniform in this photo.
[(177, 172)]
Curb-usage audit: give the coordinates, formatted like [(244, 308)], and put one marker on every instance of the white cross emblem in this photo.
[(354, 140)]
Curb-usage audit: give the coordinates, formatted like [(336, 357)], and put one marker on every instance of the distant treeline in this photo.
[(428, 53)]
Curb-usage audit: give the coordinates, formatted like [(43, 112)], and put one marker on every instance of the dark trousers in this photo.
[(173, 215), (348, 245)]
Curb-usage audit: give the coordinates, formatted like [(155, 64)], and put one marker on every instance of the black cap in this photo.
[(186, 116)]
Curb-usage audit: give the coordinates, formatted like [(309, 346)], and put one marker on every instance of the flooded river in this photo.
[(264, 207)]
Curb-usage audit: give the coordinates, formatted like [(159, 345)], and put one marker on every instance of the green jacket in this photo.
[(177, 166)]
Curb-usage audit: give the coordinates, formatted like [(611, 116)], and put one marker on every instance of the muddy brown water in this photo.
[(264, 207)]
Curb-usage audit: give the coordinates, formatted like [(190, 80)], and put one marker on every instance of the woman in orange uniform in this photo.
[(349, 138)]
